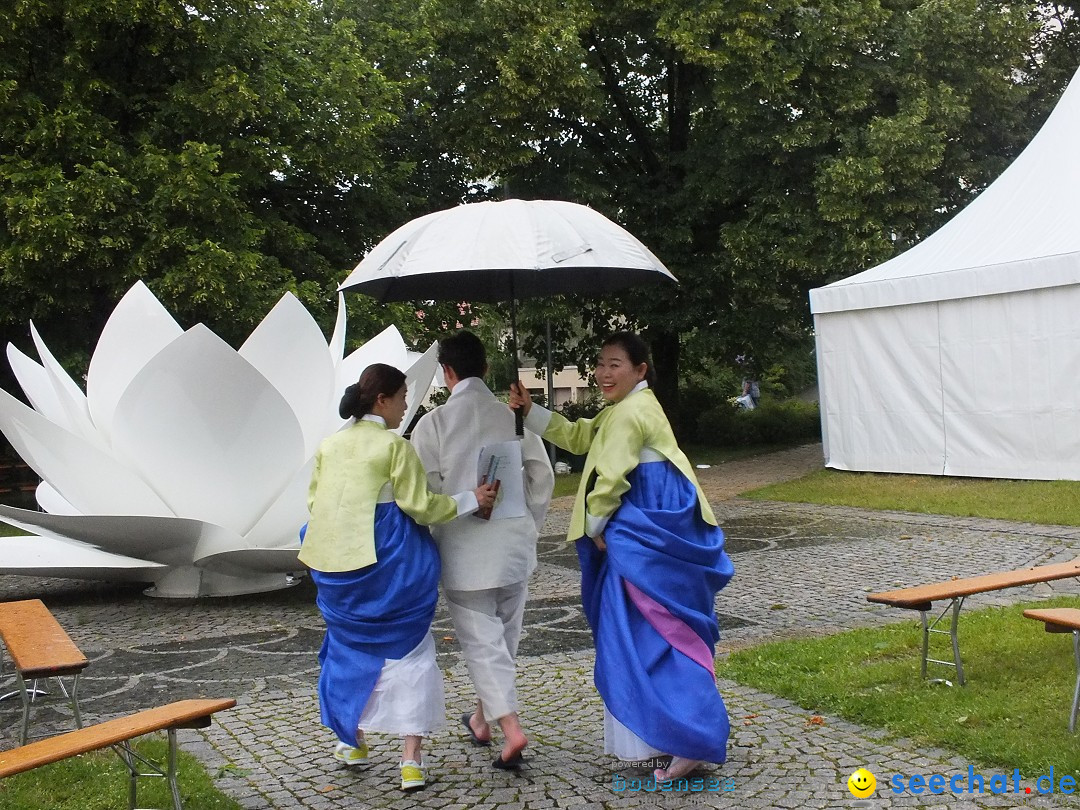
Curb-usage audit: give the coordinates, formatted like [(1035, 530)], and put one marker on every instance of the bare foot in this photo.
[(680, 766), (481, 729), (513, 744), (514, 739)]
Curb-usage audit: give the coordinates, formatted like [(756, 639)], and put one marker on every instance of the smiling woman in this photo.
[(652, 560)]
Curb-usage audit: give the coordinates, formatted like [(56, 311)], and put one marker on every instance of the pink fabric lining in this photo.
[(672, 629)]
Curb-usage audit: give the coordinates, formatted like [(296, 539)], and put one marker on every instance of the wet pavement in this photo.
[(800, 570)]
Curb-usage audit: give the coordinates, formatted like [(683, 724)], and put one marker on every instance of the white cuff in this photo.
[(466, 502), (594, 525), (538, 419)]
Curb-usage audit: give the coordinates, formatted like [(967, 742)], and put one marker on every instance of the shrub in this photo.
[(589, 407), (773, 422)]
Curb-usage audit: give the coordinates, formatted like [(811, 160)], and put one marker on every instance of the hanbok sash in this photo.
[(650, 600)]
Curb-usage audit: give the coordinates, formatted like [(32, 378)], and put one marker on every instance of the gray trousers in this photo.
[(488, 627)]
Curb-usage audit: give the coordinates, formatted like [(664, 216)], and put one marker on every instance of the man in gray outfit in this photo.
[(486, 564)]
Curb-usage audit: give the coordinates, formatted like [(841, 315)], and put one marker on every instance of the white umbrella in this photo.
[(503, 251)]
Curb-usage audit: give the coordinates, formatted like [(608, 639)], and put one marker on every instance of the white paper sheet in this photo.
[(504, 460)]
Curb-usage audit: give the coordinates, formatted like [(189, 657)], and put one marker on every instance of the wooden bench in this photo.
[(118, 733), (39, 648), (1063, 620), (922, 597)]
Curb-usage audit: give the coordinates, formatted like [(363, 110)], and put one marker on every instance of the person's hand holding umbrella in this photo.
[(520, 400)]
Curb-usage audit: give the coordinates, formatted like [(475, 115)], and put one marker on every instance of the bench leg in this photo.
[(931, 627), (1076, 691), (28, 694), (173, 786), (169, 773)]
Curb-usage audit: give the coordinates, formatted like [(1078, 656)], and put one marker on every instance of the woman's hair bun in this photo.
[(349, 401)]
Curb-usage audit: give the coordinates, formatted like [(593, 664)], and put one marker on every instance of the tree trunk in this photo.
[(665, 355)]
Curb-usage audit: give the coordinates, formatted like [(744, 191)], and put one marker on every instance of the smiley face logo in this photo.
[(862, 784)]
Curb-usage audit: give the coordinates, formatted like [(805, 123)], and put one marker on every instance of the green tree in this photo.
[(760, 149), (224, 151)]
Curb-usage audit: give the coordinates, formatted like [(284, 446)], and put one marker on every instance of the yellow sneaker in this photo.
[(351, 755), (412, 775)]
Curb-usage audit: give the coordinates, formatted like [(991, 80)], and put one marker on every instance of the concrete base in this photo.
[(191, 582)]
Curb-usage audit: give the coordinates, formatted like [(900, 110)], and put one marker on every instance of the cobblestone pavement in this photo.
[(800, 569)]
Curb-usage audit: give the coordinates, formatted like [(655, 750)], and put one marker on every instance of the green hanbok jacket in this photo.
[(351, 468), (613, 439)]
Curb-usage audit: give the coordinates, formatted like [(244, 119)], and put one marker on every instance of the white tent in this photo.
[(961, 356)]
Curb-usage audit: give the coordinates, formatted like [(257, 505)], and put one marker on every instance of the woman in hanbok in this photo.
[(377, 572), (652, 561)]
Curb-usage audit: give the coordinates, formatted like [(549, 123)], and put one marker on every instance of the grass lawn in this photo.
[(1013, 712), (1045, 502), (99, 781)]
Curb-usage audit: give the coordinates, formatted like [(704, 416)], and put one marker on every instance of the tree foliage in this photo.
[(224, 151), (228, 150), (760, 149)]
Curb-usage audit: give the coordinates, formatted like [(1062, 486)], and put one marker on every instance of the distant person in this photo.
[(652, 561), (751, 394), (486, 564), (377, 573)]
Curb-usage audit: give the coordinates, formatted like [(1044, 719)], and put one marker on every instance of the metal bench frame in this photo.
[(928, 627), (28, 695), (1053, 626), (126, 751)]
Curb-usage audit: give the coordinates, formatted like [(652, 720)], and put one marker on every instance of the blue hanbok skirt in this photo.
[(379, 612), (649, 600)]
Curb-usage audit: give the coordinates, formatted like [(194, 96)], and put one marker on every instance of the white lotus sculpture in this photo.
[(186, 463)]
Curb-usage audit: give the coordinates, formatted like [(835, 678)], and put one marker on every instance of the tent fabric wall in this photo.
[(986, 386), (1011, 393), (879, 381)]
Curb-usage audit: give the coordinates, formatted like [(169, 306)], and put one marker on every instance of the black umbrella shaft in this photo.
[(519, 416)]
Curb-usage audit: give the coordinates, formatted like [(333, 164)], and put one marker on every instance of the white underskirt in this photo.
[(621, 742), (408, 698)]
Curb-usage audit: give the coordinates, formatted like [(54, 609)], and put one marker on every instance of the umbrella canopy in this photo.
[(501, 251)]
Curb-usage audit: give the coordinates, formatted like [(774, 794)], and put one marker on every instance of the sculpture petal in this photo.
[(37, 385), (52, 501), (386, 347), (54, 557), (337, 340), (209, 432), (70, 396), (289, 349), (246, 561), (418, 378), (279, 526), (138, 329), (90, 479), (164, 540)]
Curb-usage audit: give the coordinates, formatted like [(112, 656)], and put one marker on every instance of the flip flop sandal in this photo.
[(511, 764), (472, 734)]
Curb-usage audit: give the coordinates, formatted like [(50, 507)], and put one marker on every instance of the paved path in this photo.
[(799, 569)]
